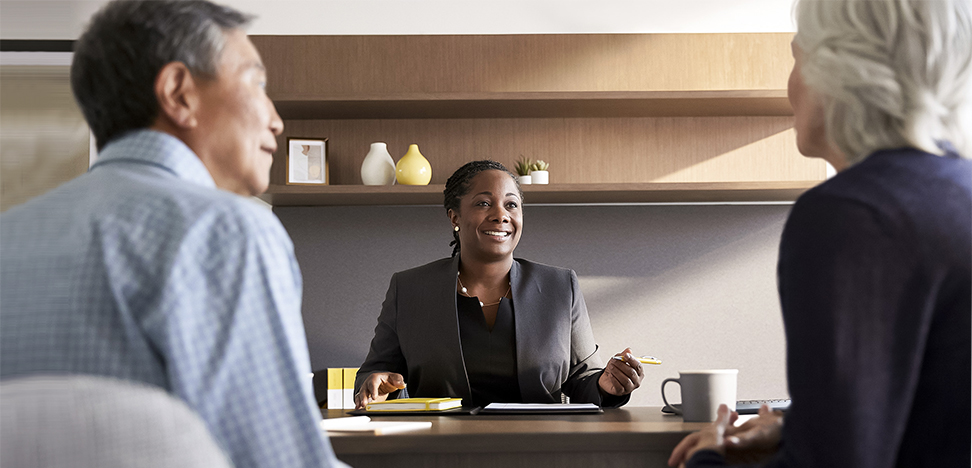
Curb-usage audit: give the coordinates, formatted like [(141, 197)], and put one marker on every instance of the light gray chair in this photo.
[(85, 421)]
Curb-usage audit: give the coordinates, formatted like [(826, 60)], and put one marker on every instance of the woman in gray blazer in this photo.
[(487, 327)]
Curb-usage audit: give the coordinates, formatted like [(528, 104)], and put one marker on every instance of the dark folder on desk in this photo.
[(541, 408), (448, 412)]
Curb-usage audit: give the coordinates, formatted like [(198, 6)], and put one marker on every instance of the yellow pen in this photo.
[(643, 359)]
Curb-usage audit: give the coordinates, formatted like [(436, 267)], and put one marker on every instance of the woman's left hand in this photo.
[(710, 438), (752, 442), (621, 377)]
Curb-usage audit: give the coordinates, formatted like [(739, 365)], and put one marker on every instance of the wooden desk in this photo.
[(627, 437)]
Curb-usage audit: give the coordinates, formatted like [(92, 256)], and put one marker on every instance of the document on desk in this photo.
[(541, 408), (364, 424)]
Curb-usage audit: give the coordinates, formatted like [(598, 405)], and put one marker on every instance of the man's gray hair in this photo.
[(890, 73), (128, 42)]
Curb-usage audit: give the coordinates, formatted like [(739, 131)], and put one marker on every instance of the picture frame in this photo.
[(307, 161)]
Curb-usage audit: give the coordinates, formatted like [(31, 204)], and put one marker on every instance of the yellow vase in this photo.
[(413, 168)]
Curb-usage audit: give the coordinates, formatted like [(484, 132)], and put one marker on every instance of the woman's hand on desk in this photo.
[(621, 377), (750, 442), (376, 387), (755, 439), (710, 438)]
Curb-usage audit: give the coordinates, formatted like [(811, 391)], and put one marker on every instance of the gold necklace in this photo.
[(464, 292)]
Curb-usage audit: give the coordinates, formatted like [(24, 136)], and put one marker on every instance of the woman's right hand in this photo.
[(376, 387)]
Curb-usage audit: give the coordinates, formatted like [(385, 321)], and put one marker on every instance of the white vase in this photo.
[(540, 177), (525, 179), (378, 167)]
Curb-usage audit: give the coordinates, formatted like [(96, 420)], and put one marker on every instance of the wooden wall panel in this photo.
[(375, 78), (314, 66), (581, 150)]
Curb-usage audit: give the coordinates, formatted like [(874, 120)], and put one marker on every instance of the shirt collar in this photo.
[(157, 149)]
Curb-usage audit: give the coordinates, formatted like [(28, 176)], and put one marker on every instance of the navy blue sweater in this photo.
[(876, 290)]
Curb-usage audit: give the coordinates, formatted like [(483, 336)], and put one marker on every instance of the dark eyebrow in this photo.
[(488, 193)]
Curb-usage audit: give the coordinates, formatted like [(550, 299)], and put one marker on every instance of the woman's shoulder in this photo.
[(895, 176), (440, 265), (895, 184), (917, 202), (529, 267)]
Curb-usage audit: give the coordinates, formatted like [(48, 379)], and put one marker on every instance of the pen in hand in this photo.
[(643, 359)]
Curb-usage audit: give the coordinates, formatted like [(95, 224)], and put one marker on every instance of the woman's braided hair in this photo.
[(458, 186)]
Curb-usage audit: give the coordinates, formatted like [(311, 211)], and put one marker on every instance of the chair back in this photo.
[(86, 421)]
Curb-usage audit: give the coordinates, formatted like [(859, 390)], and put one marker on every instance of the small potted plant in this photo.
[(523, 167), (539, 172)]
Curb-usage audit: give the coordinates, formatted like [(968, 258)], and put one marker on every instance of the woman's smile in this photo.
[(499, 235)]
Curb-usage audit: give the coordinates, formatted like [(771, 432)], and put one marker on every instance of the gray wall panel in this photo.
[(692, 285)]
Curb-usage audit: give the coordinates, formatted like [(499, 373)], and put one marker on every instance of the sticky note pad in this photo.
[(349, 374), (335, 388)]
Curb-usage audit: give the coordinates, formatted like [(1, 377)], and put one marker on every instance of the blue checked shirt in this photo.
[(143, 270)]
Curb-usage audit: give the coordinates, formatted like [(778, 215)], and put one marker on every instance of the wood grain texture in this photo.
[(665, 192), (586, 459), (535, 104), (601, 108), (579, 150), (619, 437), (316, 66)]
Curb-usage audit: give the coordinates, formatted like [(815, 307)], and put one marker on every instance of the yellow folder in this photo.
[(416, 404)]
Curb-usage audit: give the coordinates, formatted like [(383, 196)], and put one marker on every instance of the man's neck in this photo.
[(225, 183)]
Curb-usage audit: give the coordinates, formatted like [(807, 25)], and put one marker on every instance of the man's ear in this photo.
[(178, 95)]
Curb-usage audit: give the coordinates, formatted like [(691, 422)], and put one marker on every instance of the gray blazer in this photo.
[(418, 335)]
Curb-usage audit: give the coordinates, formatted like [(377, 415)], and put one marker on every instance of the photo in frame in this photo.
[(307, 161)]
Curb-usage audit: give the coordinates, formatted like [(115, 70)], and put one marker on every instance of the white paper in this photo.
[(365, 424), (334, 423)]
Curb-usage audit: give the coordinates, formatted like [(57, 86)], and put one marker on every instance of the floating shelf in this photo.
[(771, 102), (603, 109), (662, 192)]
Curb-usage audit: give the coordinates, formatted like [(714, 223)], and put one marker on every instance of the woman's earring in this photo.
[(456, 228)]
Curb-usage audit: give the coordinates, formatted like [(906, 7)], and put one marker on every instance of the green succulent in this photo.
[(540, 166), (523, 166)]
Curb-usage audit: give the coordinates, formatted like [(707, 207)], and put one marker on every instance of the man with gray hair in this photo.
[(154, 267)]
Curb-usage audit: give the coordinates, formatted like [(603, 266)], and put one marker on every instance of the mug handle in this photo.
[(668, 406)]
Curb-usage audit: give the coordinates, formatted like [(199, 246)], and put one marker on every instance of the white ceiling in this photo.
[(64, 19)]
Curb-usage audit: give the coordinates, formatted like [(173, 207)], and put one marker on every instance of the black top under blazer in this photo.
[(418, 335)]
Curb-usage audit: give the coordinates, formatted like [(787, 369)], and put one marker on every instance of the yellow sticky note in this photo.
[(335, 388), (348, 395)]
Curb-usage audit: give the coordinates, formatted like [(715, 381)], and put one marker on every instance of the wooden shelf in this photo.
[(623, 118), (772, 102), (345, 195)]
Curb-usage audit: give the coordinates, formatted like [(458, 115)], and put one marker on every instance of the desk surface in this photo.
[(636, 429)]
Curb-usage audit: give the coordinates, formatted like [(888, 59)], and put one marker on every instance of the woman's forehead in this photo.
[(492, 180)]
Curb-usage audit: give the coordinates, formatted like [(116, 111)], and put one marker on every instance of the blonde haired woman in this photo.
[(874, 272)]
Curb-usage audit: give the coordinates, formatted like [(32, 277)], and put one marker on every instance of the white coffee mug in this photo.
[(702, 393)]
